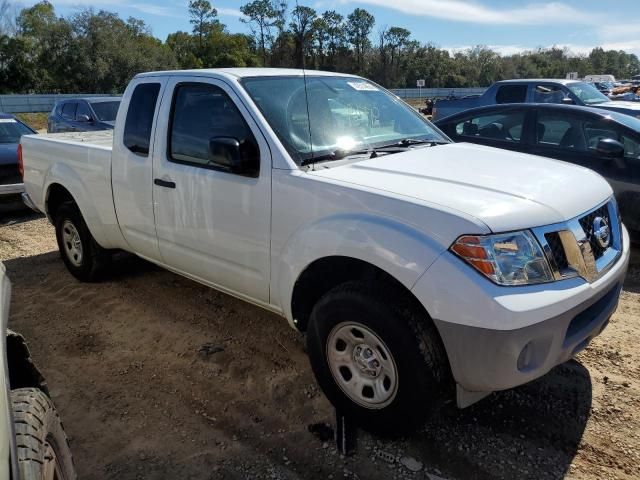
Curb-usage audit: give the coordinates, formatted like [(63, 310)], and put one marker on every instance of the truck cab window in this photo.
[(201, 112), (548, 94), (142, 107), (69, 110), (511, 94), (83, 109)]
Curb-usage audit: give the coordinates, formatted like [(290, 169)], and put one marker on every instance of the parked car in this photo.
[(604, 87), (607, 142), (83, 114), (11, 129), (33, 445), (408, 260), (568, 92)]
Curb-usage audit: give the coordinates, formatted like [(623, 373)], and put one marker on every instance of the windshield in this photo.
[(588, 94), (335, 114), (106, 111), (11, 130)]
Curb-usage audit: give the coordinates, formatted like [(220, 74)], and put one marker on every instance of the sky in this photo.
[(506, 26)]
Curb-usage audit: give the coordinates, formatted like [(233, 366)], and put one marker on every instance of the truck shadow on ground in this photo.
[(533, 431)]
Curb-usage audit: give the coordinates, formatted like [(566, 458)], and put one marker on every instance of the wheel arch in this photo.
[(23, 372), (325, 273)]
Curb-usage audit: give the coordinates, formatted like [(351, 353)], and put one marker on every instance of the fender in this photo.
[(402, 251), (102, 222)]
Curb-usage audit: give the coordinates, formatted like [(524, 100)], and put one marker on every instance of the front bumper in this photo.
[(501, 337)]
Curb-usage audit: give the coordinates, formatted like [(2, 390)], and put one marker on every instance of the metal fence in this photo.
[(35, 103), (44, 103), (436, 92)]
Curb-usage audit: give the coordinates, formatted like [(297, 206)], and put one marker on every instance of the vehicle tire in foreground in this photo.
[(43, 449), (377, 360), (81, 254)]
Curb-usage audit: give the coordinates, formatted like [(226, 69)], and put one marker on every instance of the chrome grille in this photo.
[(586, 223), (572, 248), (557, 250)]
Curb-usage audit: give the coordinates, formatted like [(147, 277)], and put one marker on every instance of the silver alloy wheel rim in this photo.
[(362, 365), (72, 243)]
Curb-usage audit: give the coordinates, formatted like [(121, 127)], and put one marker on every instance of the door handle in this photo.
[(164, 183)]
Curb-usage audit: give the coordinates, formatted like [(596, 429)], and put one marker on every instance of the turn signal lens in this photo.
[(506, 259)]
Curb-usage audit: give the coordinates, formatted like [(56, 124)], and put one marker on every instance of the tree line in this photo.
[(97, 51)]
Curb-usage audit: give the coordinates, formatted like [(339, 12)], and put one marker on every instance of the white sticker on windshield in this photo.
[(8, 120), (364, 86)]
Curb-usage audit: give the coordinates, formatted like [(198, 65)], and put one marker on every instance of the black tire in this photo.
[(42, 444), (423, 373), (93, 259)]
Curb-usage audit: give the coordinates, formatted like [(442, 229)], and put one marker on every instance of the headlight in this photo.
[(507, 259)]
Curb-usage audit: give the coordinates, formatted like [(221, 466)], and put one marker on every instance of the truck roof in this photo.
[(245, 72)]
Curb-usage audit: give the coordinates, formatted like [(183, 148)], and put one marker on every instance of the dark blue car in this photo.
[(83, 114), (11, 129)]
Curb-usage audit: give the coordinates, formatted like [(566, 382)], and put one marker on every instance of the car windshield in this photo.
[(11, 130), (329, 114), (587, 93), (106, 111)]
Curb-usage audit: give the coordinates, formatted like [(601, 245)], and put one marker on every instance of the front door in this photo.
[(212, 225)]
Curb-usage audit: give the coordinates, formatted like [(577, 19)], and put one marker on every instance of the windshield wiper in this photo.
[(395, 147)]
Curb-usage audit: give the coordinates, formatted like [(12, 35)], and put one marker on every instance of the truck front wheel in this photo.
[(377, 361), (81, 254)]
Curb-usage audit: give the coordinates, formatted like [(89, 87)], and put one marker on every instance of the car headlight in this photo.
[(507, 259)]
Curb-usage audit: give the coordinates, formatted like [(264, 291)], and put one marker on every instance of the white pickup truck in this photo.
[(412, 264)]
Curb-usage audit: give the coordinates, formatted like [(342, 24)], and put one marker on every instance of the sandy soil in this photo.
[(141, 397)]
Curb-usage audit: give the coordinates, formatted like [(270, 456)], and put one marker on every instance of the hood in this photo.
[(621, 105), (8, 153), (504, 190), (110, 124)]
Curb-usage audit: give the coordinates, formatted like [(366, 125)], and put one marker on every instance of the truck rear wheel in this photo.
[(81, 254), (43, 449), (376, 361)]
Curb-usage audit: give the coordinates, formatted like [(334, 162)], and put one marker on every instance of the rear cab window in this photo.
[(511, 93), (140, 115)]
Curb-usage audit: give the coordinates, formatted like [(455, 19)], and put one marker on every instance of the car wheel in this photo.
[(81, 254), (376, 360), (43, 448)]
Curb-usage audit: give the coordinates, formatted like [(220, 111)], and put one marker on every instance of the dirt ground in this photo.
[(157, 377)]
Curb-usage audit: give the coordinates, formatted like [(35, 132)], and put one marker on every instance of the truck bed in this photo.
[(83, 160), (100, 139)]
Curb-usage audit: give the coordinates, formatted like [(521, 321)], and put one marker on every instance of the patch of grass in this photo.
[(37, 121)]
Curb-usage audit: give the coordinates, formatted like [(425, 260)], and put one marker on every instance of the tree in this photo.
[(262, 17), (203, 18), (302, 19), (359, 26)]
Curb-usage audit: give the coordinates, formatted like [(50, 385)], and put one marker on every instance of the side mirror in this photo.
[(83, 118), (235, 156), (611, 149), (568, 101)]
